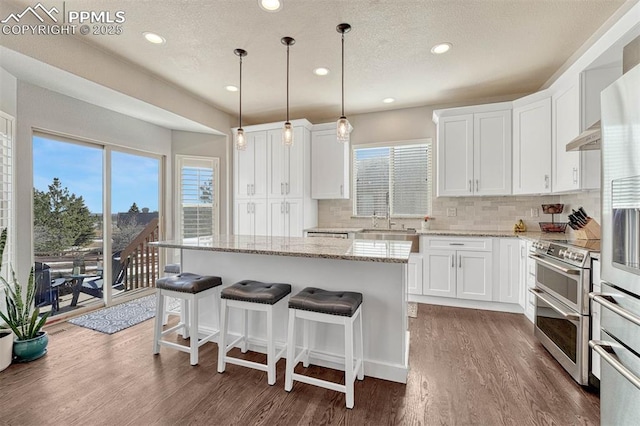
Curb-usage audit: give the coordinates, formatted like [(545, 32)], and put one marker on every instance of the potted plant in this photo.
[(22, 317), (6, 347)]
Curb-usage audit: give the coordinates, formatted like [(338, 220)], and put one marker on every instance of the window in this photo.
[(6, 186), (198, 185), (394, 178)]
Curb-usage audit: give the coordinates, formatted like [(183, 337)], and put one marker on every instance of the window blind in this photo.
[(198, 197), (395, 179), (6, 186)]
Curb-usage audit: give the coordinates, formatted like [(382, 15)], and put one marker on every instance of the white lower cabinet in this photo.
[(251, 217), (285, 218), (527, 279), (508, 264), (414, 274), (463, 271)]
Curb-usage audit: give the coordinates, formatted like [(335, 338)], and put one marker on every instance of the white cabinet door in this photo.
[(492, 153), (414, 274), (293, 217), (329, 166), (474, 272), (277, 218), (509, 270), (250, 167), (455, 155), (276, 169), (565, 127), (243, 223), (294, 165), (260, 217), (439, 273), (532, 148)]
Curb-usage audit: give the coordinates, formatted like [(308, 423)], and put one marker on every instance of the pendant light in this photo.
[(343, 125), (241, 142), (287, 131)]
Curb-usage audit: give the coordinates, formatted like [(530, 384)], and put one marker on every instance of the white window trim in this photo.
[(179, 161), (422, 141), (10, 219)]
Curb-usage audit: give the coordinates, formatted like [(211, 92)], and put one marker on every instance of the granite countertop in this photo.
[(335, 230), (327, 248)]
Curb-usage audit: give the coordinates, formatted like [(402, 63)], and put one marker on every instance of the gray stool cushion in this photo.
[(256, 292), (172, 268), (343, 303), (188, 283)]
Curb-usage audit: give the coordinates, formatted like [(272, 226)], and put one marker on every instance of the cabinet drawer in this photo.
[(449, 243)]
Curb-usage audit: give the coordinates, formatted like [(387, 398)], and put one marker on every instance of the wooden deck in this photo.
[(468, 367)]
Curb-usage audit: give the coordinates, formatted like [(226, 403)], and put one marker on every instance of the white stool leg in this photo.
[(165, 316), (184, 318), (348, 360), (291, 351), (245, 331), (157, 331), (361, 348), (222, 339), (305, 341), (271, 349), (193, 332)]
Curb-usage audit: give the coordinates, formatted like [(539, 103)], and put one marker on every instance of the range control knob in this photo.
[(579, 256), (562, 253)]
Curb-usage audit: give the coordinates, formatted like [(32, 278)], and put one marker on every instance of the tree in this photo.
[(61, 220), (206, 192), (134, 208)]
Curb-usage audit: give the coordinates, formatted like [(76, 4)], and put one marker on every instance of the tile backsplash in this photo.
[(472, 213)]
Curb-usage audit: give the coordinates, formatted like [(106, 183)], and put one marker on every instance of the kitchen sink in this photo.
[(391, 235)]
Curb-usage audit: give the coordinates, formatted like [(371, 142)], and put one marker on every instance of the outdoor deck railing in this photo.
[(142, 259)]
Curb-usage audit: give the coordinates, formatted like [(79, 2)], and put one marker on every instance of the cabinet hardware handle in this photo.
[(452, 264), (460, 261), (456, 244), (546, 181), (605, 350), (470, 190), (287, 208), (248, 209), (477, 184), (282, 207), (281, 188), (248, 189), (286, 185), (253, 189), (341, 190), (575, 176)]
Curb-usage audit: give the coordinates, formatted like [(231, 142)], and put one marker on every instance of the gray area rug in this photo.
[(115, 318)]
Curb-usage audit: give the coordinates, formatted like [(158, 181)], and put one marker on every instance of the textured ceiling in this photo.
[(500, 47)]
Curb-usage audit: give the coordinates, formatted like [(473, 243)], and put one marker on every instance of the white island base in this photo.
[(384, 309)]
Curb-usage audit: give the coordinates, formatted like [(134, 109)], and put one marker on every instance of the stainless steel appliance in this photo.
[(562, 319), (620, 261)]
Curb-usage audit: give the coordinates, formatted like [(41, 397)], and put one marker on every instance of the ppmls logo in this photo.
[(87, 22)]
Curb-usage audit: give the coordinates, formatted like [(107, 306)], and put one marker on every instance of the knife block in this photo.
[(591, 231)]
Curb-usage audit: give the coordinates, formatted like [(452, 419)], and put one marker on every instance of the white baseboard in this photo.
[(464, 303)]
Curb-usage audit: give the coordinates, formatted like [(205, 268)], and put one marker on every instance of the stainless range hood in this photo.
[(587, 140)]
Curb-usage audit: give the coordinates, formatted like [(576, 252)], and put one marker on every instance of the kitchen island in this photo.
[(377, 269)]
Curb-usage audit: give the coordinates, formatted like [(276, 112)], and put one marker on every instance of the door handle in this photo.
[(287, 204), (253, 189), (546, 181), (286, 186), (575, 175), (281, 188), (470, 190), (568, 315), (248, 209), (605, 350), (477, 184), (341, 190), (459, 261), (282, 207), (453, 265), (456, 244), (248, 189), (603, 299)]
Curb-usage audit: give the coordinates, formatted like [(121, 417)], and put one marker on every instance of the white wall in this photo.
[(8, 88), (189, 143), (49, 111)]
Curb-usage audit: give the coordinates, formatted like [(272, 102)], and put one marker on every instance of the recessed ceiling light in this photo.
[(441, 48), (231, 88), (270, 5), (154, 38), (321, 71), (389, 100)]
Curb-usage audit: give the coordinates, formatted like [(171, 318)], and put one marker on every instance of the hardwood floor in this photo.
[(468, 367)]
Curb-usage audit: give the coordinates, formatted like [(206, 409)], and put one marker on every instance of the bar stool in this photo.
[(251, 296), (333, 307), (189, 288), (172, 269)]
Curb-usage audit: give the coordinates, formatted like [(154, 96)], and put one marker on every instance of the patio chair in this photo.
[(46, 288), (94, 286)]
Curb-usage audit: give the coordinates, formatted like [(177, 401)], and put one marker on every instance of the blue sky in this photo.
[(79, 168)]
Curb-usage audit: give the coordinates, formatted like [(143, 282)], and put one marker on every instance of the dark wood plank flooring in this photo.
[(468, 367)]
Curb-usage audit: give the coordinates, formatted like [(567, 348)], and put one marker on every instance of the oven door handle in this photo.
[(554, 266), (603, 299), (568, 315), (605, 350)]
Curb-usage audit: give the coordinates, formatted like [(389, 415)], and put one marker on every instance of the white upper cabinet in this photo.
[(565, 125), (532, 146), (286, 164), (474, 150), (250, 167), (329, 164)]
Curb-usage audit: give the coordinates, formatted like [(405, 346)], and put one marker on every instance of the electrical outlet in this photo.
[(451, 212), (535, 212)]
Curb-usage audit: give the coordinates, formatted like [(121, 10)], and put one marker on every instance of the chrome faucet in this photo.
[(388, 213)]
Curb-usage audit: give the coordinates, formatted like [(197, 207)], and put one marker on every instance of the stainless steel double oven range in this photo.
[(562, 310)]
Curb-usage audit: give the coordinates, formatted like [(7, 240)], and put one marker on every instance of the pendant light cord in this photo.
[(240, 116), (287, 83), (342, 74)]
